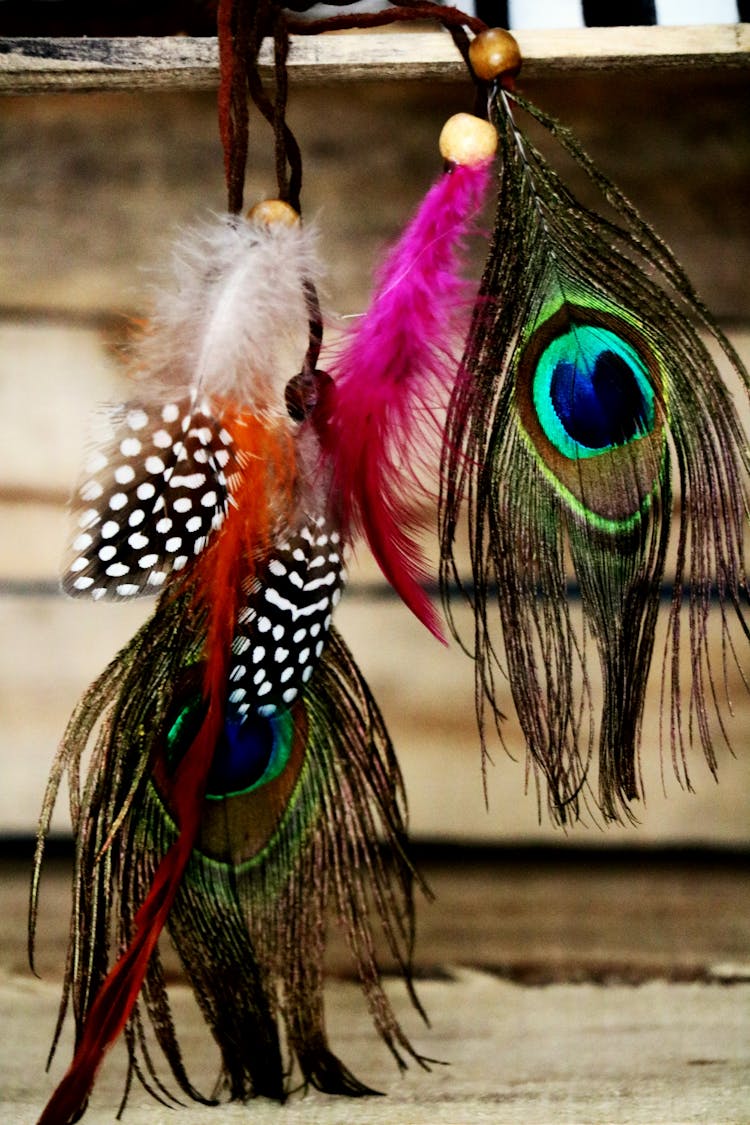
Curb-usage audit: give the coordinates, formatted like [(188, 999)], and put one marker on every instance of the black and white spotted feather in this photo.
[(282, 631), (151, 495), (230, 328)]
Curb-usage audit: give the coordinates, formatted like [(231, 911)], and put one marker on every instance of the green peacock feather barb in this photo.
[(590, 403), (242, 790), (295, 838)]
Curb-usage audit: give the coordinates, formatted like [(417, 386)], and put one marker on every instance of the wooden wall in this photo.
[(91, 189)]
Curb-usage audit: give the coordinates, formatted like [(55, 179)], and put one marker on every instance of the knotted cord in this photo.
[(242, 27)]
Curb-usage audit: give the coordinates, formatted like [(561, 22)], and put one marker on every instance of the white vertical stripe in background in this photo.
[(687, 12), (323, 11), (544, 13), (569, 13)]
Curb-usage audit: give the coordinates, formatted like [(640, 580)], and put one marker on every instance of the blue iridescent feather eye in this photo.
[(588, 391), (250, 754), (591, 392)]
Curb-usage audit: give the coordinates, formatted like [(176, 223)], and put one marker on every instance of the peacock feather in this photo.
[(302, 818), (241, 785), (589, 404)]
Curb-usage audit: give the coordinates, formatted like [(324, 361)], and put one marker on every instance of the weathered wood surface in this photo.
[(661, 1054), (532, 916), (91, 191), (36, 65), (644, 1017)]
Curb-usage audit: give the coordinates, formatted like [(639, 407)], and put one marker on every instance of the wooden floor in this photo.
[(560, 987)]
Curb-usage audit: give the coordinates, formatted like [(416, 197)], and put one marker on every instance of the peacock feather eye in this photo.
[(588, 391), (251, 754), (591, 392)]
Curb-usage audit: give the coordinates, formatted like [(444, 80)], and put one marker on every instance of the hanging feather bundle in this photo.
[(394, 371), (591, 393), (241, 779)]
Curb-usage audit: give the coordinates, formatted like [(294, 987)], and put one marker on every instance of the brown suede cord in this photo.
[(242, 26)]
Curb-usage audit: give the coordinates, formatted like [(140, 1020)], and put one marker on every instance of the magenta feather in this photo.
[(392, 377)]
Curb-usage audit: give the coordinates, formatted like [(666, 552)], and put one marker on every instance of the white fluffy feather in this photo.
[(234, 323)]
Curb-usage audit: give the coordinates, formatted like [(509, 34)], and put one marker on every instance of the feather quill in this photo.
[(590, 391)]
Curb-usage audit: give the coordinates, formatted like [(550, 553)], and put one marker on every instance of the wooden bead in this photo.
[(273, 211), (494, 54), (467, 140)]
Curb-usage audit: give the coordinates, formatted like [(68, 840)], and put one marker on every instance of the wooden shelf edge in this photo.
[(56, 65)]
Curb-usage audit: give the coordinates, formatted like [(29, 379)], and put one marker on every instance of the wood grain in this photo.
[(48, 65), (586, 1047), (93, 189)]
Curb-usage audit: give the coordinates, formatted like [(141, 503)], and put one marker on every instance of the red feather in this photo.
[(115, 999), (265, 456)]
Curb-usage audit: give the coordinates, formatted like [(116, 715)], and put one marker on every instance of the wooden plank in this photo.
[(49, 65), (149, 164), (587, 1047), (425, 692), (555, 915), (661, 1054)]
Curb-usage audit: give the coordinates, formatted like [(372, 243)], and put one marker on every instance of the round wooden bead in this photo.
[(468, 140), (494, 54), (273, 211)]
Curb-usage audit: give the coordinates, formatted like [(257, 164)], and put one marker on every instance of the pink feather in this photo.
[(394, 373)]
